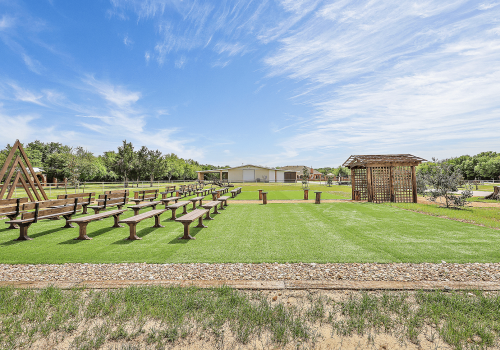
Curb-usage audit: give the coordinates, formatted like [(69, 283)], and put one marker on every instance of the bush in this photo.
[(439, 180)]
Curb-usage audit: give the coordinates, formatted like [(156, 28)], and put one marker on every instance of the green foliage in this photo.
[(439, 180), (305, 178)]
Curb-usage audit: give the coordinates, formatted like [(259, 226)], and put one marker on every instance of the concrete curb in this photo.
[(263, 285)]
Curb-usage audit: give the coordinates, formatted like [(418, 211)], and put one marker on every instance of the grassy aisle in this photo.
[(333, 232)]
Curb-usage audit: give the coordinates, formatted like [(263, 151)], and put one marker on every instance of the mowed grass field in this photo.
[(254, 233)]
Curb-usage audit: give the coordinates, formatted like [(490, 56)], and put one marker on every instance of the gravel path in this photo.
[(263, 272)]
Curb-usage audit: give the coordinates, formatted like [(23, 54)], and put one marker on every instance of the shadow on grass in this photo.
[(193, 231), (142, 233), (91, 235), (36, 235)]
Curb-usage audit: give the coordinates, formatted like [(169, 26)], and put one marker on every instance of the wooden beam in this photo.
[(353, 183), (392, 197), (9, 158), (40, 187), (369, 184), (9, 177), (414, 184)]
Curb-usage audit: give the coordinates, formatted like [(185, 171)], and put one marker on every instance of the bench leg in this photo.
[(186, 231), (200, 222), (215, 210), (157, 221), (201, 202), (23, 232), (136, 211), (185, 210), (83, 232), (176, 201), (68, 225), (225, 203), (222, 205), (84, 211), (117, 218), (173, 214), (133, 232), (96, 211), (154, 207), (208, 217), (194, 205)]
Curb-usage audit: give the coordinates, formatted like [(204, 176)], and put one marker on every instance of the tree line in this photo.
[(482, 166), (125, 164)]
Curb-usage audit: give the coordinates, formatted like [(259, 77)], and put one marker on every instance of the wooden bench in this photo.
[(45, 210), (138, 207), (187, 219), (168, 200), (84, 221), (168, 189), (84, 199), (210, 205), (11, 208), (196, 199), (223, 199), (146, 195), (176, 206), (110, 200), (134, 220), (235, 192)]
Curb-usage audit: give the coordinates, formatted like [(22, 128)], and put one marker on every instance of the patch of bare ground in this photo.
[(328, 328)]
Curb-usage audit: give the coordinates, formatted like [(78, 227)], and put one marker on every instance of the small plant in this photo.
[(329, 180), (305, 178)]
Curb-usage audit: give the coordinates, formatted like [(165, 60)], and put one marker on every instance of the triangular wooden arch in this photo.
[(19, 177)]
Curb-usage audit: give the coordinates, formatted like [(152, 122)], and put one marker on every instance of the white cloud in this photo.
[(180, 62), (127, 41), (25, 95), (6, 22), (33, 65), (117, 95)]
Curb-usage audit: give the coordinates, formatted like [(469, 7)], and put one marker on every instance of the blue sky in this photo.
[(261, 82)]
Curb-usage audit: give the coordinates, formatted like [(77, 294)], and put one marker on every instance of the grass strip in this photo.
[(164, 316), (489, 217)]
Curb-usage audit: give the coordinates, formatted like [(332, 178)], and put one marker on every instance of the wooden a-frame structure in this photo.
[(20, 169)]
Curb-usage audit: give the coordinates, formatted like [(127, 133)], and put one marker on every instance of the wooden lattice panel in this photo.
[(361, 183), (381, 181), (403, 191)]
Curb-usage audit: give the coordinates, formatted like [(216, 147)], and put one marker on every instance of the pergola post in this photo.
[(369, 184), (353, 183), (201, 176), (391, 184), (220, 175), (414, 183)]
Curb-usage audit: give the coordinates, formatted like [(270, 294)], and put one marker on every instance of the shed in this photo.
[(384, 178)]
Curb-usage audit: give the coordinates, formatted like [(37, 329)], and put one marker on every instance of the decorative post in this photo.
[(260, 195), (414, 183), (318, 197), (264, 197), (306, 194)]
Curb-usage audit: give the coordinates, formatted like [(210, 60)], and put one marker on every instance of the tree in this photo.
[(440, 181), (172, 166), (489, 169), (125, 160), (305, 178), (151, 164)]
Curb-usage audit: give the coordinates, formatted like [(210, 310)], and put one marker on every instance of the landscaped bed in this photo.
[(330, 232)]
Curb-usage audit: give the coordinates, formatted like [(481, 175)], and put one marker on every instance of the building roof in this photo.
[(253, 166), (374, 160), (298, 169)]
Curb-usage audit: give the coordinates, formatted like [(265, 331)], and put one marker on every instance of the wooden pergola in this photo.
[(384, 178)]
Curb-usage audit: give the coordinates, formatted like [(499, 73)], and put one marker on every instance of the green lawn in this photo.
[(333, 232), (291, 194)]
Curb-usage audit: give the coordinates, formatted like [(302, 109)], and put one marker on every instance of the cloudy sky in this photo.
[(262, 82)]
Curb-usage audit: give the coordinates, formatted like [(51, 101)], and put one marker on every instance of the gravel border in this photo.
[(400, 272)]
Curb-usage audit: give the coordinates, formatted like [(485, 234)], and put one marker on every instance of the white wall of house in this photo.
[(272, 174), (280, 176)]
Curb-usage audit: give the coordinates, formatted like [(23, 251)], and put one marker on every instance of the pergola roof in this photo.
[(374, 160)]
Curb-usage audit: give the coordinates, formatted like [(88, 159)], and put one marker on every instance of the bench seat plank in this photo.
[(175, 206), (85, 220), (196, 199), (187, 219), (223, 199), (168, 200), (134, 220), (138, 207)]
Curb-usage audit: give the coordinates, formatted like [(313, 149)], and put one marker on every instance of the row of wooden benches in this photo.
[(32, 212)]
